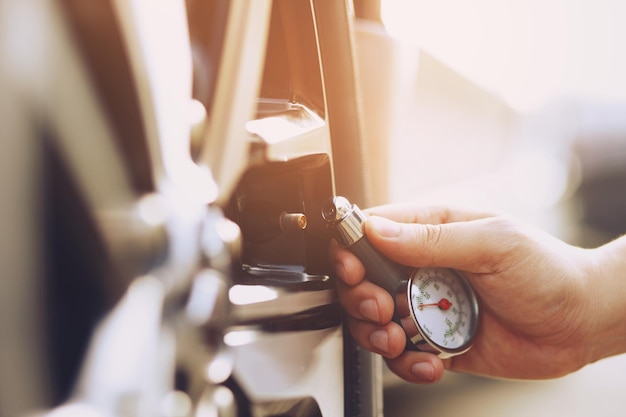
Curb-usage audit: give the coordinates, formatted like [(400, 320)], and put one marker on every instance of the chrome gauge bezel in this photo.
[(416, 332)]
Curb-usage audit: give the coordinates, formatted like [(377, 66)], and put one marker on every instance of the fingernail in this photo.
[(384, 227), (369, 310), (380, 340), (424, 371)]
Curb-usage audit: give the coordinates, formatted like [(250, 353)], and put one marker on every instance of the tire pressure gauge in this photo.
[(436, 307)]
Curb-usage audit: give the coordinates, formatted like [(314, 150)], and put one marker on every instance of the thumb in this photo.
[(473, 246)]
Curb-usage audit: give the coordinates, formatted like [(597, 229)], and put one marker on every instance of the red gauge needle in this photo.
[(443, 304)]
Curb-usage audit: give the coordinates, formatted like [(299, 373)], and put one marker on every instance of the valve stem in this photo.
[(292, 221)]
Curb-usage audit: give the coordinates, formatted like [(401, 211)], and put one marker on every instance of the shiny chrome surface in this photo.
[(346, 218)]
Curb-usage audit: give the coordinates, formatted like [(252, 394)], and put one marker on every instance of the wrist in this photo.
[(606, 307)]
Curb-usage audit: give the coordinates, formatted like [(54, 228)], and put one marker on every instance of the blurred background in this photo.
[(516, 105)]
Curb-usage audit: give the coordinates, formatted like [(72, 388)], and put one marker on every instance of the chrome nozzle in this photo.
[(346, 218), (336, 209)]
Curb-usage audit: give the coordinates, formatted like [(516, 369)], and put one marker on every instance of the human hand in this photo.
[(533, 288)]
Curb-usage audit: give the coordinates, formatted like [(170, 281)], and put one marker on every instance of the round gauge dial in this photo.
[(444, 308)]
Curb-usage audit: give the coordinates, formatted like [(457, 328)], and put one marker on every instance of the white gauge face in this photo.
[(444, 307)]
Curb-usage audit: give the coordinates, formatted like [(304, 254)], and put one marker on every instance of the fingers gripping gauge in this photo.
[(436, 307)]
